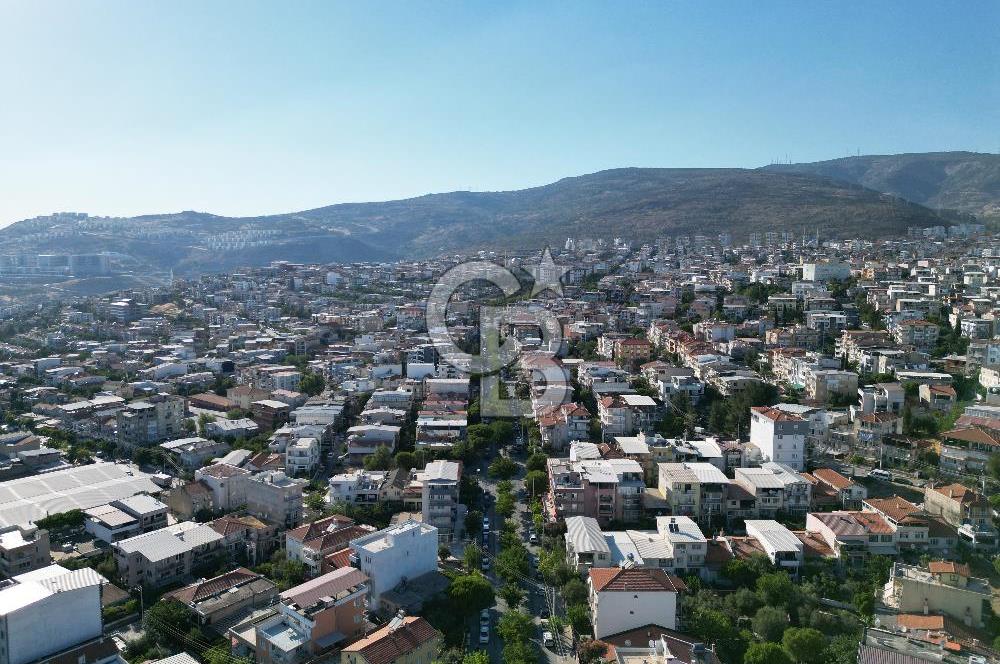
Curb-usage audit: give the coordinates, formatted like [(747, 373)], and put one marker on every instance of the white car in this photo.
[(548, 640), (484, 618), (484, 634)]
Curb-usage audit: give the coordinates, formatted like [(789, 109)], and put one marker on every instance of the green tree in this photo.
[(537, 461), (473, 523), (519, 652), (380, 459), (805, 644), (167, 619), (512, 563), (504, 506), (743, 602), (744, 572), (312, 383), (515, 626), (503, 467), (769, 623), (315, 502), (842, 649), (406, 460), (574, 591), (579, 619), (470, 594), (472, 558), (766, 653), (536, 483), (512, 594), (776, 589)]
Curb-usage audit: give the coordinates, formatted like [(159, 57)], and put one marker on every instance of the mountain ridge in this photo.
[(639, 203)]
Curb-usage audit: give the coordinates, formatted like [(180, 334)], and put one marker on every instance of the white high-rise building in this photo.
[(780, 436)]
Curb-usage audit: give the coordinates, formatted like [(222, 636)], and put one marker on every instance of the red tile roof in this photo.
[(832, 477), (948, 567), (776, 415), (634, 579), (394, 641), (894, 507)]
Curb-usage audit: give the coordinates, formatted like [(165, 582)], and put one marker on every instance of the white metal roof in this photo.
[(32, 498), (585, 535)]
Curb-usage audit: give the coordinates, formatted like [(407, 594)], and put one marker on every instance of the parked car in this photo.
[(484, 634), (879, 474), (484, 617), (533, 538), (548, 640), (485, 564)]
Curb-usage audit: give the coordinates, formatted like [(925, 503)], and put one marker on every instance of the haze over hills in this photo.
[(964, 181), (638, 203)]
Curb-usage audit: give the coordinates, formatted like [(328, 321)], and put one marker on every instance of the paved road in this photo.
[(537, 595)]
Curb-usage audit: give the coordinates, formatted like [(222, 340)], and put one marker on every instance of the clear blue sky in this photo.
[(245, 107)]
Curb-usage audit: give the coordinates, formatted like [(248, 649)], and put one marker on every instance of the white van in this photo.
[(880, 474)]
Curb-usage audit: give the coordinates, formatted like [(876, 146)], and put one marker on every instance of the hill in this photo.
[(965, 181), (637, 203)]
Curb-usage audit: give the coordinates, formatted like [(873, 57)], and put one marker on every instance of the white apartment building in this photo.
[(780, 436), (47, 611), (302, 456), (624, 598), (402, 552), (358, 486)]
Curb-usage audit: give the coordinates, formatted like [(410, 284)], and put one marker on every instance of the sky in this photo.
[(244, 108)]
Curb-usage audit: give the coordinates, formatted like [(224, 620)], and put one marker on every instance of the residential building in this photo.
[(309, 620), (191, 453), (606, 489), (966, 450), (395, 555), (151, 421), (694, 489), (775, 488), (274, 496), (403, 640), (47, 611), (167, 555), (226, 596), (23, 549), (653, 644), (311, 542), (357, 486), (624, 598), (559, 425), (121, 519), (849, 493), (964, 509), (440, 506), (302, 456), (677, 547), (780, 436), (944, 587), (270, 414), (783, 548)]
